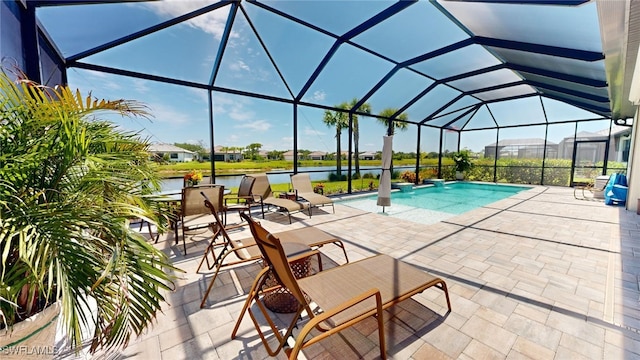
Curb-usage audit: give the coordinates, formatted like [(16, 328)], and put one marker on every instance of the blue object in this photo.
[(615, 193)]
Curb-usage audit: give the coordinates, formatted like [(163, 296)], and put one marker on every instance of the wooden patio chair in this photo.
[(246, 250), (301, 184), (344, 295)]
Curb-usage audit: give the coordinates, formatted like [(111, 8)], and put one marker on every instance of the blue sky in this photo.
[(187, 52)]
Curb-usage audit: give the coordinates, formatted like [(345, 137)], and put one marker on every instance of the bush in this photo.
[(335, 177), (409, 176)]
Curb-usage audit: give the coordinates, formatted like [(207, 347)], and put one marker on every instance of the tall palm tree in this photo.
[(400, 125), (339, 120), (366, 108)]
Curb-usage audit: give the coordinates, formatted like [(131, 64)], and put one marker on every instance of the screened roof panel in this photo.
[(351, 72), (431, 102), (245, 65), (497, 77), (462, 122), (482, 119), (337, 17), (518, 111), (449, 119), (576, 100), (468, 58), (141, 54), (94, 24), (388, 95), (462, 103), (279, 35), (554, 25), (595, 91), (97, 24), (393, 38), (557, 111), (587, 69), (506, 92)]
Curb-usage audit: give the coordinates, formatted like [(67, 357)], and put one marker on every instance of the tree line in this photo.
[(338, 119)]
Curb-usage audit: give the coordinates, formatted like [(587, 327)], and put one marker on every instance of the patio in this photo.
[(539, 275)]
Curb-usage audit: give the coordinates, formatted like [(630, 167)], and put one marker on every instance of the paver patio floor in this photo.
[(539, 275)]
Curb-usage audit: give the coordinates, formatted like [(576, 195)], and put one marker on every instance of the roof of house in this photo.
[(163, 148)]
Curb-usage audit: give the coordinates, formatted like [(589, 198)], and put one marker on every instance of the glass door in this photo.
[(589, 161)]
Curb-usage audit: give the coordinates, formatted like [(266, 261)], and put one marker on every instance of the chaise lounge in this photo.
[(264, 195), (301, 184), (341, 296)]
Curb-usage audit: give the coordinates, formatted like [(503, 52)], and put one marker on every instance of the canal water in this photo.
[(275, 177)]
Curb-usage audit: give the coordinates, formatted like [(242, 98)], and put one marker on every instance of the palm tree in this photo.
[(339, 120), (400, 125), (68, 185), (366, 108)]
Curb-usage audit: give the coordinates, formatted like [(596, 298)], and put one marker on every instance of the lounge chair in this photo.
[(301, 184), (596, 189), (246, 250), (264, 195), (344, 295)]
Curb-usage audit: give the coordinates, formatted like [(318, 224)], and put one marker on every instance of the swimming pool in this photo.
[(429, 205)]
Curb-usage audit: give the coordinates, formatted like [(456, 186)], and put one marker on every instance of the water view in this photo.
[(316, 173)]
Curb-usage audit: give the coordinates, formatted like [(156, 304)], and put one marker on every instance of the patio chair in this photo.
[(265, 196), (193, 213), (301, 184), (343, 295), (595, 188), (246, 250), (242, 200)]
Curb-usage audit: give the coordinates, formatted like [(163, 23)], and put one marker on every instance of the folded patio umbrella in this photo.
[(384, 189)]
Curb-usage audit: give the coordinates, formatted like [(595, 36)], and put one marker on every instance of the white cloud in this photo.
[(212, 22), (165, 114), (319, 95), (310, 131), (258, 125), (239, 65)]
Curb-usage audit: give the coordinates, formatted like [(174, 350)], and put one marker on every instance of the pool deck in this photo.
[(539, 275)]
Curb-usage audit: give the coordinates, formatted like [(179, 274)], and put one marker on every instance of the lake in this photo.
[(275, 177)]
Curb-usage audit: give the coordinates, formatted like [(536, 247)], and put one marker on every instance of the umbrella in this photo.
[(384, 190)]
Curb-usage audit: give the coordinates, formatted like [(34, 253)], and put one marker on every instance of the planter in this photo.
[(32, 338), (459, 175)]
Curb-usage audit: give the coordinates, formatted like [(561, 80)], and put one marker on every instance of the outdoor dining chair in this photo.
[(194, 214), (342, 296), (243, 199)]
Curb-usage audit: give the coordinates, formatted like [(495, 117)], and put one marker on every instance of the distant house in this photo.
[(174, 153), (288, 155), (593, 145), (227, 154), (367, 155), (317, 155), (521, 149)]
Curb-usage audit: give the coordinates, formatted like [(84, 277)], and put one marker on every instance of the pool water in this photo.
[(433, 204)]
